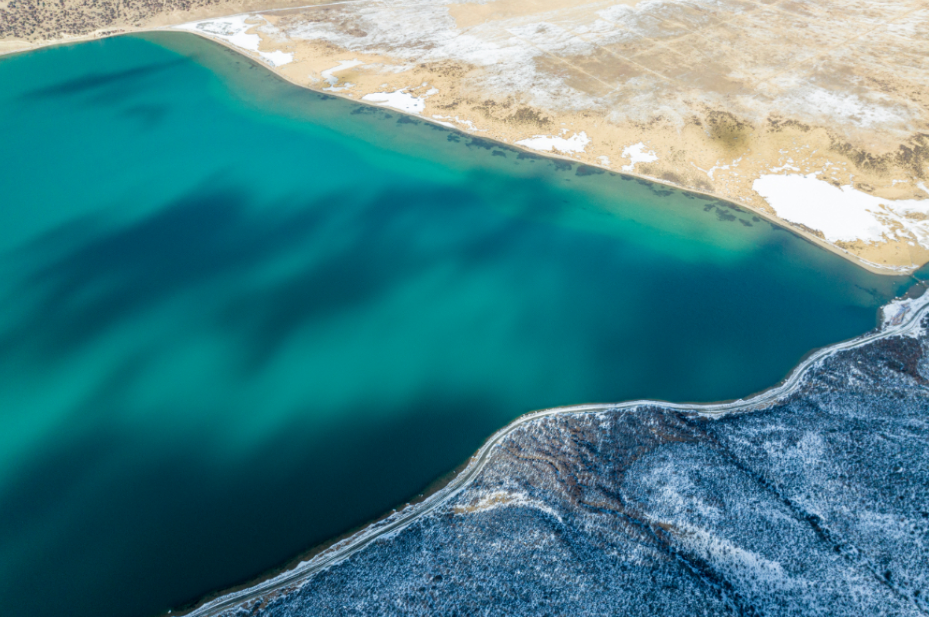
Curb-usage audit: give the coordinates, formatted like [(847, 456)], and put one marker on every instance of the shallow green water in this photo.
[(240, 318)]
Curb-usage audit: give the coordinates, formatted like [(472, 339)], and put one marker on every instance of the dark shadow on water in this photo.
[(161, 522), (220, 526), (207, 237), (113, 516), (94, 82), (347, 254), (122, 271)]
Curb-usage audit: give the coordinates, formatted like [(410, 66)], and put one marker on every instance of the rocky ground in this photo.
[(815, 506)]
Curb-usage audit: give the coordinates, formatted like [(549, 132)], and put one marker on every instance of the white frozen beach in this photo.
[(399, 99), (234, 31), (551, 143), (844, 213)]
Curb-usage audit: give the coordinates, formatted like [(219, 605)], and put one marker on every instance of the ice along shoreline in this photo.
[(782, 223), (902, 317), (182, 29)]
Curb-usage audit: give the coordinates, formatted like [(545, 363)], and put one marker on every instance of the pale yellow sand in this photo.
[(717, 95)]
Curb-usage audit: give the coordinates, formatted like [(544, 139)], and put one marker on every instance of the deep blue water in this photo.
[(240, 318)]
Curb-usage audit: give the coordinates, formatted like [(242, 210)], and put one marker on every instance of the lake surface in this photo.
[(240, 318)]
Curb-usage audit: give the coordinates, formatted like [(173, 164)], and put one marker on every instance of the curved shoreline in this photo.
[(800, 233), (495, 439), (909, 323)]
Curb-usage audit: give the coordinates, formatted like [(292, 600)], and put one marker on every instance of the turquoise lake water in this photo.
[(240, 318)]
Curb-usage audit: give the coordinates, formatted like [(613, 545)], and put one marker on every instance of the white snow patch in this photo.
[(234, 31), (843, 214), (551, 143), (332, 80), (636, 154), (277, 58), (398, 100), (754, 569), (883, 526), (896, 311), (424, 32), (735, 163), (467, 123), (604, 160), (866, 112)]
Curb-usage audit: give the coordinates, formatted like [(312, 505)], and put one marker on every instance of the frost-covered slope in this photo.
[(815, 506)]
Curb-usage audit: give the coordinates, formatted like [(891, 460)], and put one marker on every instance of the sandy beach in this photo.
[(890, 270), (843, 165), (229, 351)]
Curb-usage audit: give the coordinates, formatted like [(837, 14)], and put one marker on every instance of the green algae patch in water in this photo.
[(240, 318)]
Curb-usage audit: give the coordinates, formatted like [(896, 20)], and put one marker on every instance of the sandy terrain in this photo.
[(717, 96)]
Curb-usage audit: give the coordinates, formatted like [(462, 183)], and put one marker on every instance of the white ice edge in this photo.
[(398, 100), (899, 269), (900, 318), (234, 31), (844, 213), (467, 123), (550, 143)]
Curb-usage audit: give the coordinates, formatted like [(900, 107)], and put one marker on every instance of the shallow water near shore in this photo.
[(241, 318)]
